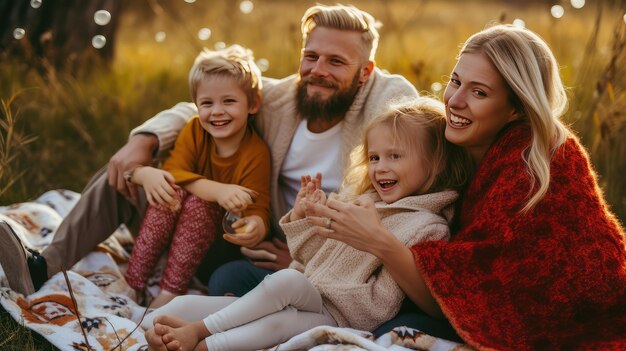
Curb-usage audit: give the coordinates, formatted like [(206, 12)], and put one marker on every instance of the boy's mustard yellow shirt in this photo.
[(194, 157)]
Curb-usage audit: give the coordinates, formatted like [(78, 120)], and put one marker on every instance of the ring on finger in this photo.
[(329, 222), (128, 176)]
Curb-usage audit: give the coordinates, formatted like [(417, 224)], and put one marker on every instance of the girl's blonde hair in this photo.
[(234, 61), (535, 88), (418, 127)]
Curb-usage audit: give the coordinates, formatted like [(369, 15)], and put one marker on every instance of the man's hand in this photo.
[(137, 152), (272, 255)]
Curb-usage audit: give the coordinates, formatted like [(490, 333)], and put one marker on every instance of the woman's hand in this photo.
[(356, 224), (359, 226), (310, 190), (159, 186), (235, 198), (250, 231)]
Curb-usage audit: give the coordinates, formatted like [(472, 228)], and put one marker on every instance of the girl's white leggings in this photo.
[(283, 305)]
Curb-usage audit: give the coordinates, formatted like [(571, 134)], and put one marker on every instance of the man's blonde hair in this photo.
[(233, 61), (343, 17)]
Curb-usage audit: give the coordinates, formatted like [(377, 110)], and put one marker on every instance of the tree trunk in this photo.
[(58, 34)]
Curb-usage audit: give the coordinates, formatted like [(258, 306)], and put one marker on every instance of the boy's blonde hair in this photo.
[(419, 127), (531, 73), (344, 18), (233, 61)]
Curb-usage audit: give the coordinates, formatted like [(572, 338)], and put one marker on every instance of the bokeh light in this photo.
[(18, 33), (246, 6), (160, 37), (263, 64), (557, 11), (204, 34), (518, 22), (102, 17), (625, 18), (436, 87), (577, 4), (35, 4), (98, 41), (190, 1), (220, 45)]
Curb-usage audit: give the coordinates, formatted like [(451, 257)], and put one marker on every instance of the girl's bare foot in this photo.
[(154, 335), (154, 341), (170, 321), (185, 338)]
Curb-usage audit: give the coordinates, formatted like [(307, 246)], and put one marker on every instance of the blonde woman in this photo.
[(537, 261)]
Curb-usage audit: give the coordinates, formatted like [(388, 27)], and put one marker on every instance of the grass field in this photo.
[(58, 130)]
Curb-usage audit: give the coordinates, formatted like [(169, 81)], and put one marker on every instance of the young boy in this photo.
[(217, 158)]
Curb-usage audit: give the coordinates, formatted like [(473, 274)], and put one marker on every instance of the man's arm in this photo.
[(146, 141), (166, 124)]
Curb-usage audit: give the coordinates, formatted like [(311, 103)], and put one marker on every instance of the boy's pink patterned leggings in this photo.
[(191, 231)]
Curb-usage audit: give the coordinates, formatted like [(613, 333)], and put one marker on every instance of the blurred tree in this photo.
[(57, 34)]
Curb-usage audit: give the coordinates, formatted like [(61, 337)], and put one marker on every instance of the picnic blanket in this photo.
[(100, 311)]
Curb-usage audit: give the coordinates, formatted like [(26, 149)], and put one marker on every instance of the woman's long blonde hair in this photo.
[(532, 73), (419, 127)]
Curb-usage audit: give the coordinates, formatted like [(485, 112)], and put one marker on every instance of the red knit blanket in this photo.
[(553, 279)]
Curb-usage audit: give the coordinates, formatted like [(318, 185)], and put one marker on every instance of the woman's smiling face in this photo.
[(477, 104)]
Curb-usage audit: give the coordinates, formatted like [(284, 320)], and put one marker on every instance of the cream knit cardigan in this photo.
[(355, 288), (278, 119)]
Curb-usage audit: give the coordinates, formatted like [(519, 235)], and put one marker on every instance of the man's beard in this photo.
[(314, 108)]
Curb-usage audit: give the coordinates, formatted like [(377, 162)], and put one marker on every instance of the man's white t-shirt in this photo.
[(310, 153)]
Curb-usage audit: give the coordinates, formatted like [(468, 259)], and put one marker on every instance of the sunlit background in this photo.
[(64, 115)]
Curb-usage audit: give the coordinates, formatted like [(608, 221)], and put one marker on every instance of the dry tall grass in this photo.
[(12, 145), (80, 123)]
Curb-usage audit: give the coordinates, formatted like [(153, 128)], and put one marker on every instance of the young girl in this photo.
[(408, 169), (218, 159)]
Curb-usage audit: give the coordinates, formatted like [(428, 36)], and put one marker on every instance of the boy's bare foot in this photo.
[(185, 338), (162, 298)]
